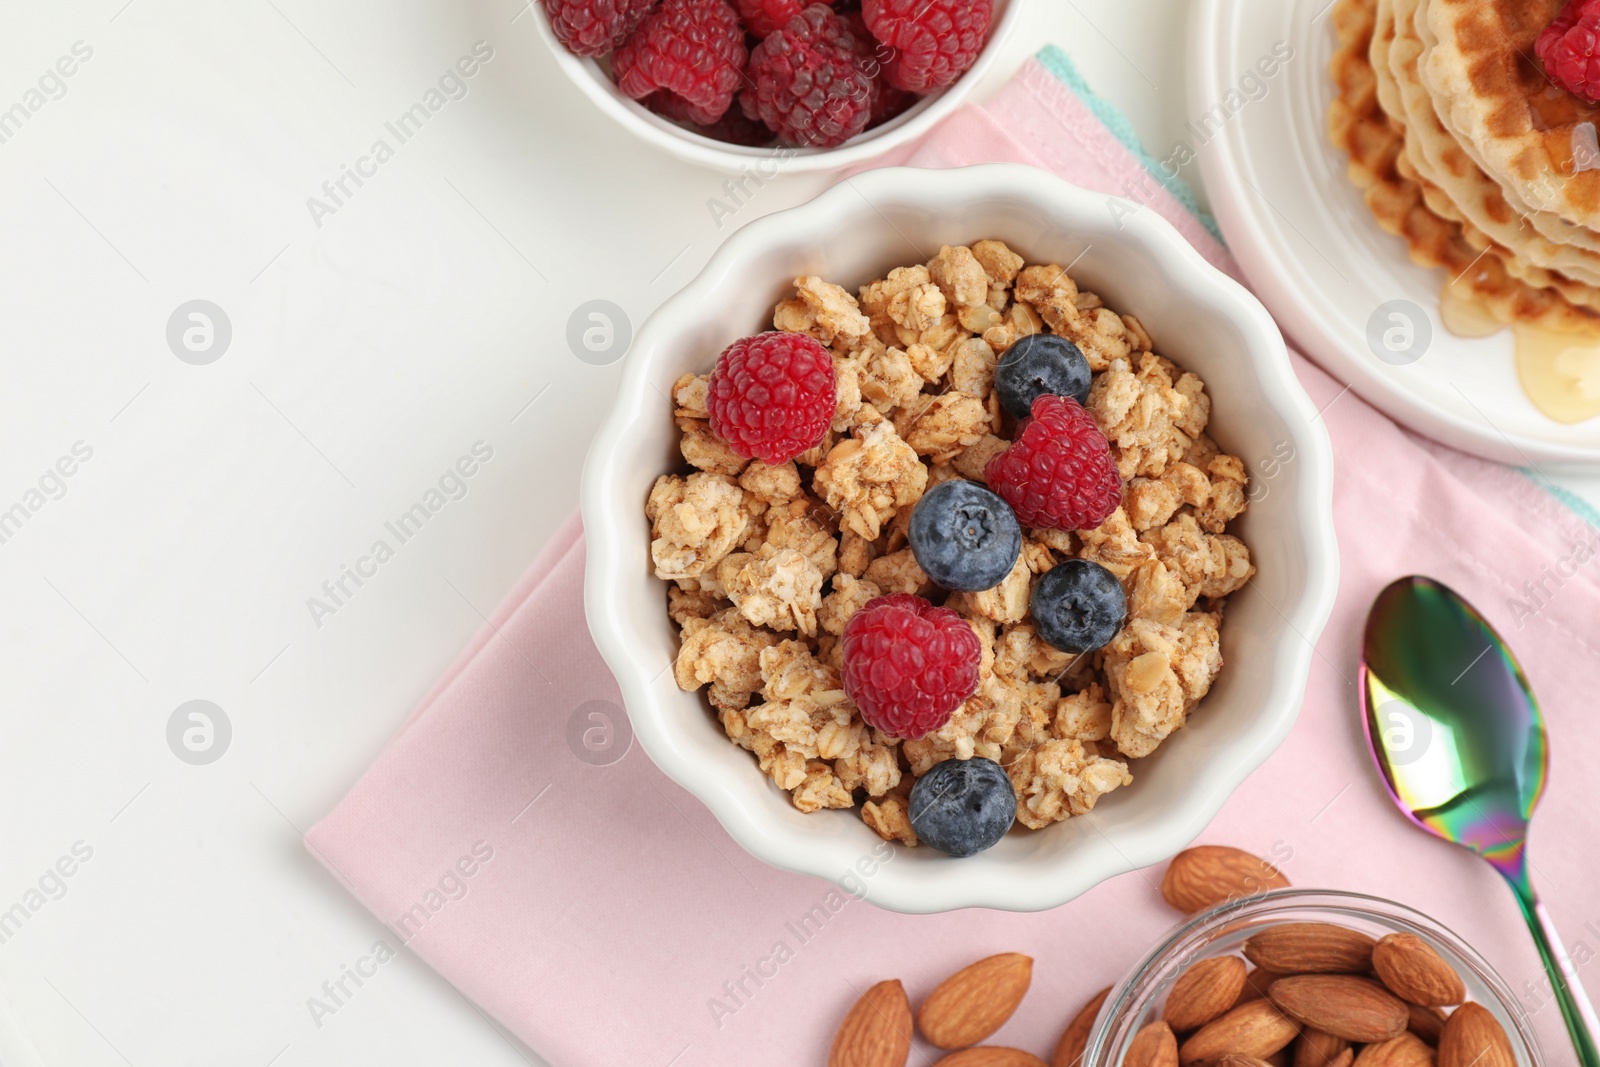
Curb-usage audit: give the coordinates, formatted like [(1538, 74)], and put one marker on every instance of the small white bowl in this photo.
[(595, 81), (1199, 317)]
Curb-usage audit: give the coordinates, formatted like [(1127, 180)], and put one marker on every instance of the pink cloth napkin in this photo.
[(599, 913)]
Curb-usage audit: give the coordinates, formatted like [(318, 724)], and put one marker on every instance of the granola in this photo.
[(767, 564), (869, 477)]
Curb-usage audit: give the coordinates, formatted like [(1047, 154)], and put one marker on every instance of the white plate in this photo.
[(1316, 256)]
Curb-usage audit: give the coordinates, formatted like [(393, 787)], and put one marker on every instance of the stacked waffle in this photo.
[(1463, 147)]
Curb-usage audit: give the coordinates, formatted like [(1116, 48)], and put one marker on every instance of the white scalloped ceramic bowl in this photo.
[(594, 79), (1199, 317)]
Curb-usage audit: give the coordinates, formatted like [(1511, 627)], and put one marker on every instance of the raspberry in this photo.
[(934, 40), (772, 395), (1567, 49), (909, 665), (762, 17), (595, 27), (734, 127), (1058, 473), (886, 101), (691, 48), (809, 81)]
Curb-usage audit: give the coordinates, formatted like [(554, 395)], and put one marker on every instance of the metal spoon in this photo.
[(1458, 737)]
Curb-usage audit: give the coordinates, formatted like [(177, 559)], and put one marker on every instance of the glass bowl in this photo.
[(1137, 999)]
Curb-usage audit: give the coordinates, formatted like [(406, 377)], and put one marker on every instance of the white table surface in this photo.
[(368, 353)]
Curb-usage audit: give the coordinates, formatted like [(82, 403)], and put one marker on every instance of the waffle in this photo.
[(1538, 239), (1455, 188), (1493, 94), (1446, 139), (1479, 269)]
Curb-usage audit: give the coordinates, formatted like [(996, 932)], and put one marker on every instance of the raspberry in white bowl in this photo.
[(819, 85)]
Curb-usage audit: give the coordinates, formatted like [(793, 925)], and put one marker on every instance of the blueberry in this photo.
[(1040, 364), (963, 806), (964, 536), (1078, 606)]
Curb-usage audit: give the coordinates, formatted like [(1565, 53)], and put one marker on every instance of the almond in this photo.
[(1075, 1038), (1255, 1029), (1256, 984), (1425, 1022), (1204, 992), (1473, 1037), (1234, 1059), (876, 1032), (1316, 1048), (1407, 1050), (1310, 948), (1344, 1059), (991, 1056), (1356, 1009), (1413, 971), (975, 1001), (1207, 875), (1153, 1046)]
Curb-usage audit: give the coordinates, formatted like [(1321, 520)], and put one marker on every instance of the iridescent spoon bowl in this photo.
[(1459, 740)]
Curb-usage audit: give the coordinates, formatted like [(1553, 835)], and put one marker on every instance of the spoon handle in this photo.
[(1582, 1025)]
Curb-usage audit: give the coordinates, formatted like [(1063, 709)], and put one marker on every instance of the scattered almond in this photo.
[(1310, 948), (1473, 1037), (1207, 875), (1069, 1050), (1425, 1022), (975, 1001), (1356, 1009), (991, 1056), (1317, 1048), (1153, 1046), (1255, 1029), (876, 1032), (1204, 992), (1407, 1050), (1345, 1058), (1234, 1059), (1413, 971)]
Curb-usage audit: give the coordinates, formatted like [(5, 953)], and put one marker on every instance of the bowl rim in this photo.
[(607, 571), (694, 148), (1393, 912)]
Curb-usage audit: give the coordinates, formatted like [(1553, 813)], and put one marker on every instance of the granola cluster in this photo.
[(766, 564)]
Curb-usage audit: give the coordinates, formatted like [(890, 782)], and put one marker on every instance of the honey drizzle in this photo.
[(1559, 370)]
